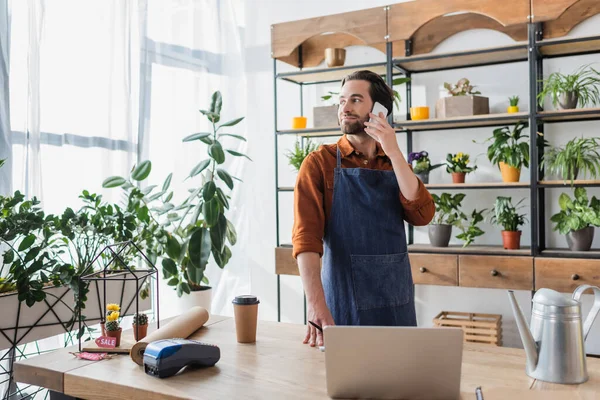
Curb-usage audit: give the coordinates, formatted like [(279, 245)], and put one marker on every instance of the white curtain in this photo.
[(192, 48), (5, 145)]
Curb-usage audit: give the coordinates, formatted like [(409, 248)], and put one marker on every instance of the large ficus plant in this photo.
[(187, 234), (577, 213)]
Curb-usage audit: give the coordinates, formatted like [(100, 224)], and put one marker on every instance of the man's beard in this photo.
[(356, 127)]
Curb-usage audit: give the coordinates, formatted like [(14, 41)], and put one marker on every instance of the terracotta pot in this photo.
[(142, 329), (458, 177), (439, 234), (335, 57), (511, 240), (509, 174), (115, 334), (512, 109), (581, 240)]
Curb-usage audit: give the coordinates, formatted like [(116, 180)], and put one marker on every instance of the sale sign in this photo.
[(107, 342)]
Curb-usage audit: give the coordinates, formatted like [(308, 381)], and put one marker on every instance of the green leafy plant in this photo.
[(447, 209), (509, 146), (187, 234), (513, 101), (505, 214), (577, 213), (469, 227), (458, 163), (579, 155), (421, 162), (140, 319), (395, 82), (583, 83), (462, 88), (297, 156)]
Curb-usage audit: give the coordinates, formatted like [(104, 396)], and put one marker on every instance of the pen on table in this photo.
[(479, 393), (316, 326)]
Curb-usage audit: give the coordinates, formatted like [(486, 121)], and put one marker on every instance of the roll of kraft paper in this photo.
[(181, 327)]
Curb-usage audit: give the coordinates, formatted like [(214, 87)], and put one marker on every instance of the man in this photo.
[(352, 199)]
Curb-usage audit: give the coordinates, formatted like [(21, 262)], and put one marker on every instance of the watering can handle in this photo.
[(589, 320)]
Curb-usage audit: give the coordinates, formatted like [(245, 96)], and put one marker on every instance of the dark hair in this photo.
[(378, 90)]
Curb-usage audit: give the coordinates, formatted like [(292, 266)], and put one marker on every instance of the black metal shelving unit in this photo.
[(533, 51)]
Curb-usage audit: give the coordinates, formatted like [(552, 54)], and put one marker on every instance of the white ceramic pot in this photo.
[(202, 298)]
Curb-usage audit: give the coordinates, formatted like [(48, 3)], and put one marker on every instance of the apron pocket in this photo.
[(381, 281)]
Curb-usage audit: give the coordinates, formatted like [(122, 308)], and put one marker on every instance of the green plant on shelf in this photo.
[(468, 227), (297, 156), (395, 82), (577, 213), (582, 88), (447, 209), (506, 215), (456, 163), (509, 146), (578, 156), (513, 101), (462, 88)]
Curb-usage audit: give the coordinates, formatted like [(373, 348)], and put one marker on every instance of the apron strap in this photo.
[(339, 158)]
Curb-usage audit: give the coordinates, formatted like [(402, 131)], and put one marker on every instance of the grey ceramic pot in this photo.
[(423, 176), (439, 235), (568, 100), (581, 240)]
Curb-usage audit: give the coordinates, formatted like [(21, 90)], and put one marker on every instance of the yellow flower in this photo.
[(459, 155), (113, 307), (466, 162), (113, 316)]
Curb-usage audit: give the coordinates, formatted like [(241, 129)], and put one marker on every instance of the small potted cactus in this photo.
[(140, 326), (109, 309), (113, 329)]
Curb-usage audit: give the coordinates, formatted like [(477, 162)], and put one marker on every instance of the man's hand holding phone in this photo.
[(379, 129)]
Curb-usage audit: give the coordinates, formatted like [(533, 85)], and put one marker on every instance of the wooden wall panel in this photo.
[(570, 18), (549, 10), (405, 19)]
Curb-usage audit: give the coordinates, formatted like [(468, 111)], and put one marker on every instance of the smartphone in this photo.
[(377, 108)]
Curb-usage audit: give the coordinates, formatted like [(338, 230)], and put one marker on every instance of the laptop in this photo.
[(393, 362)]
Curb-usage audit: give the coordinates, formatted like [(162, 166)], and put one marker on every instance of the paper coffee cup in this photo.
[(245, 309)]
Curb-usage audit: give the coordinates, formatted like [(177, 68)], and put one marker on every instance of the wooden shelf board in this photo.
[(286, 189), (592, 253), (570, 46), (570, 115), (463, 122), (577, 182), (319, 75), (473, 249), (471, 58), (476, 185), (313, 132)]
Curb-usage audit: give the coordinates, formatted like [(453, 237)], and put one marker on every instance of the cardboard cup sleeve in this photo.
[(180, 327)]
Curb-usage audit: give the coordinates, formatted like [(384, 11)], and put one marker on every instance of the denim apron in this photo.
[(366, 272)]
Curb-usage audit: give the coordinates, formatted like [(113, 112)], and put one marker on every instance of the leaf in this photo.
[(199, 252), (218, 232), (222, 258), (222, 198), (179, 290), (199, 168), (225, 177), (231, 234), (196, 136), (173, 281), (142, 171), (8, 257), (232, 122), (210, 210), (208, 192), (169, 267), (215, 150), (235, 153), (185, 287), (167, 182), (33, 253), (113, 182), (233, 136), (146, 191), (173, 247), (564, 201), (169, 197), (27, 242), (216, 103)]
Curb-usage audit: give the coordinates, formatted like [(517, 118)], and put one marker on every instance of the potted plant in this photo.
[(110, 308), (468, 227), (568, 91), (505, 215), (510, 151), (140, 326), (113, 329), (186, 235), (457, 165), (579, 155), (577, 219), (513, 107), (299, 153), (422, 165), (447, 214), (462, 101)]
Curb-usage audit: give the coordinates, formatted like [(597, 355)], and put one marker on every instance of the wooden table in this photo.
[(278, 366)]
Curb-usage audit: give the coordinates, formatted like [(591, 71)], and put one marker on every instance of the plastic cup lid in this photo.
[(245, 300)]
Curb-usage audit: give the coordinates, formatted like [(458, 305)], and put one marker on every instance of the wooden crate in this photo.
[(478, 328)]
